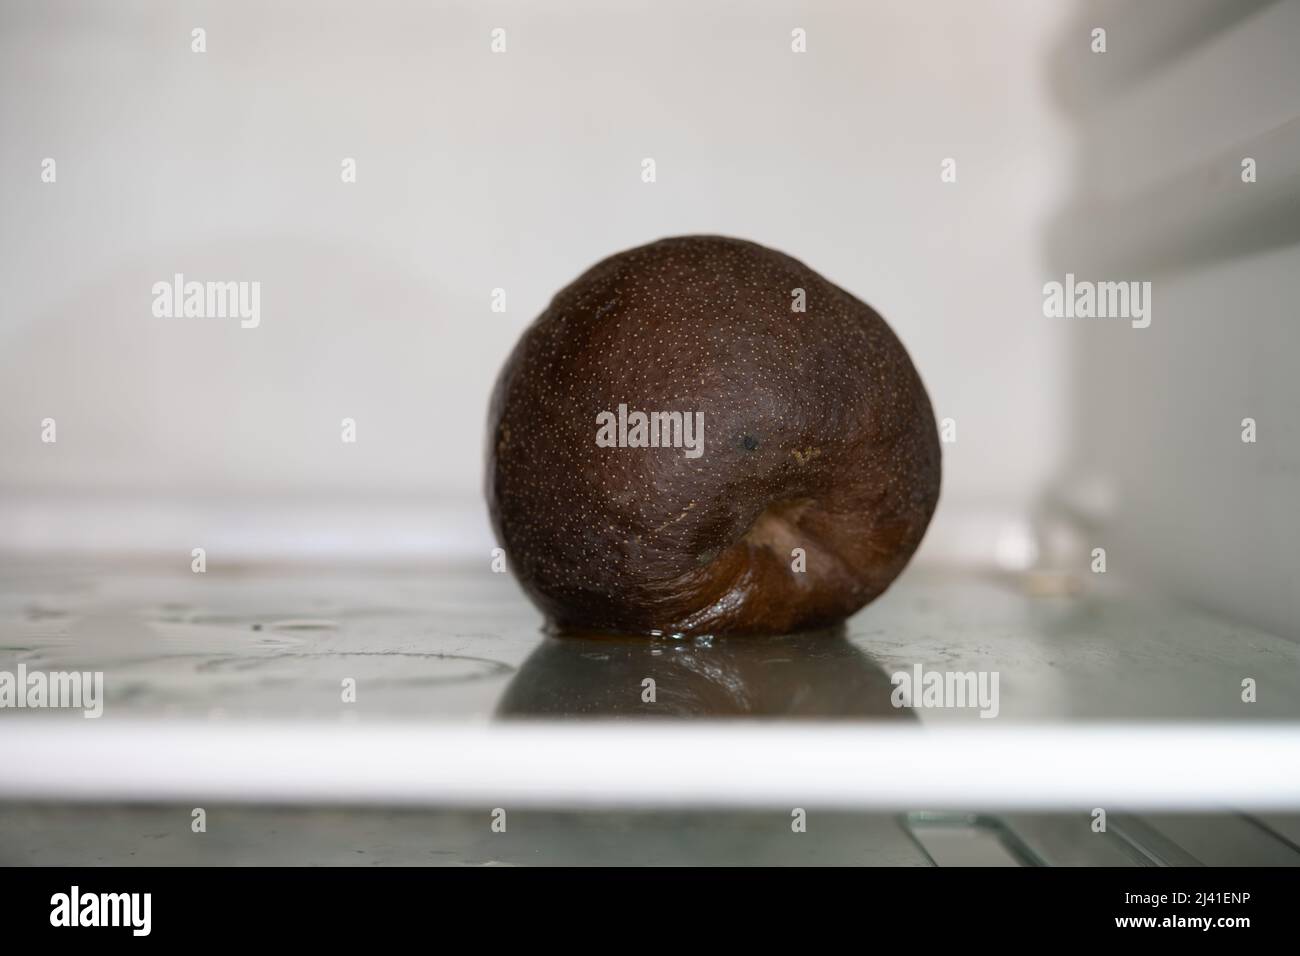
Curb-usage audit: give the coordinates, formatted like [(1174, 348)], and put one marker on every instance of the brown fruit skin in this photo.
[(818, 434)]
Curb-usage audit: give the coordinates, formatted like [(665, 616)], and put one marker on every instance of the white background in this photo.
[(478, 171)]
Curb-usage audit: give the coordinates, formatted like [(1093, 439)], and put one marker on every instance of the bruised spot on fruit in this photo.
[(777, 527), (749, 443)]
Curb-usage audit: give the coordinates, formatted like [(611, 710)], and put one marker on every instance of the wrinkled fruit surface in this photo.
[(803, 495)]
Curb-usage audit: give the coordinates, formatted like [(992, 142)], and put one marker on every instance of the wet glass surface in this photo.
[(447, 645), (462, 643)]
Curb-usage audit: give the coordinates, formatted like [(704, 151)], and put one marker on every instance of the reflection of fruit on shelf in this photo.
[(814, 674)]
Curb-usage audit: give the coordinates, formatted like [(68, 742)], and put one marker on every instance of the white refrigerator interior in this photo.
[(344, 677)]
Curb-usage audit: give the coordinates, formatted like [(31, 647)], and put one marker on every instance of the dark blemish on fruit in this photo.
[(749, 443)]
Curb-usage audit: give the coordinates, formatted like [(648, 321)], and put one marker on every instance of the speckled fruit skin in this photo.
[(818, 434)]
